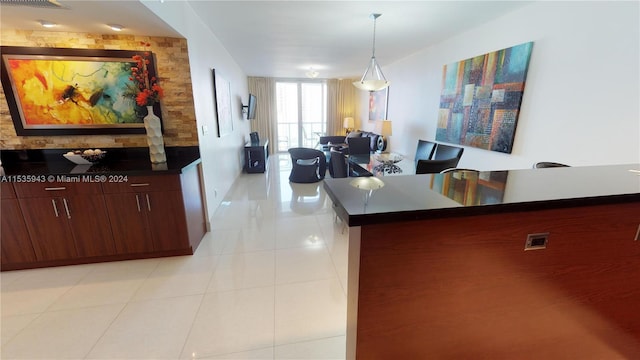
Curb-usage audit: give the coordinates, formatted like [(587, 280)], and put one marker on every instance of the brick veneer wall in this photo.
[(172, 62)]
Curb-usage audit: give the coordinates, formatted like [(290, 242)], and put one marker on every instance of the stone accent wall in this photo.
[(172, 62)]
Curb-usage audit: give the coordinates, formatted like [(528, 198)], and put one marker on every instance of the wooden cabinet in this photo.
[(62, 223), (147, 214), (66, 220), (14, 237)]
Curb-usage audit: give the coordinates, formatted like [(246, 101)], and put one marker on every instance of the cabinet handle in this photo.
[(55, 208), (148, 203), (139, 184), (138, 202), (55, 188), (66, 208)]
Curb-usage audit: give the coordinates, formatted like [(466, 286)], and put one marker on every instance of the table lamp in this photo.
[(383, 127), (348, 124)]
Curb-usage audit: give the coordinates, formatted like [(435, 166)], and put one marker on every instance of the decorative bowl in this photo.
[(94, 158), (389, 159), (81, 159)]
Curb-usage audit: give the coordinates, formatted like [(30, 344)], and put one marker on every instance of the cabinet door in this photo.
[(128, 222), (14, 237), (165, 212), (47, 223), (90, 225)]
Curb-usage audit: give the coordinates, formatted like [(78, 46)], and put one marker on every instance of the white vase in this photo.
[(154, 137)]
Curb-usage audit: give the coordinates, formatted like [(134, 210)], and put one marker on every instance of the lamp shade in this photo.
[(383, 127), (348, 123), (371, 85)]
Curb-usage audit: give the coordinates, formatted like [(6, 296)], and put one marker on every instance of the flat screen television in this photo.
[(251, 107)]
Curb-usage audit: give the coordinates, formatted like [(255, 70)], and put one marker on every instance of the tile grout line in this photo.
[(273, 339), (86, 356), (195, 314)]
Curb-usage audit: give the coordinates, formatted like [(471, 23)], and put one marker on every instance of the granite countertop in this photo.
[(125, 161), (417, 197)]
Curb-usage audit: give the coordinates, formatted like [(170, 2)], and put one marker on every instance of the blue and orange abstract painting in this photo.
[(481, 98), (67, 92)]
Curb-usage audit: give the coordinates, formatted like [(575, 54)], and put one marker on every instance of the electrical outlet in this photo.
[(536, 241)]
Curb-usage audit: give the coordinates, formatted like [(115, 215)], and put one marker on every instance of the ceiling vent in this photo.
[(44, 4)]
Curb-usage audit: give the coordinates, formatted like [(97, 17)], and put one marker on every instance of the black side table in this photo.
[(256, 155)]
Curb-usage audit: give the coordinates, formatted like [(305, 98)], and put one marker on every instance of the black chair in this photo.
[(338, 167), (424, 151), (443, 152), (359, 145), (435, 166), (307, 165), (548, 164)]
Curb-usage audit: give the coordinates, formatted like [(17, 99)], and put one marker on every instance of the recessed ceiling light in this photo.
[(47, 23), (116, 27)]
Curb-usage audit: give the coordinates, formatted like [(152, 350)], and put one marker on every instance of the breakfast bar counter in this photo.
[(533, 263)]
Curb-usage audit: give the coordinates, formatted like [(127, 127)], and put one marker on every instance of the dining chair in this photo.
[(443, 152), (338, 167), (424, 151), (359, 145), (435, 166)]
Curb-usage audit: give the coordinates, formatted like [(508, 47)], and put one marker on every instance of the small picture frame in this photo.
[(378, 101)]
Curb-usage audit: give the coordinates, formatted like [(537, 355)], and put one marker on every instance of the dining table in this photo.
[(382, 164)]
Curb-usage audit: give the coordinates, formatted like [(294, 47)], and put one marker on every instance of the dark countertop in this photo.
[(125, 161), (418, 197)]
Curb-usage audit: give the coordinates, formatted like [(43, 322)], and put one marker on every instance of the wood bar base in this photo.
[(465, 288)]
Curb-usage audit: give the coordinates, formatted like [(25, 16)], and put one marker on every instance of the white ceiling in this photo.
[(286, 38)]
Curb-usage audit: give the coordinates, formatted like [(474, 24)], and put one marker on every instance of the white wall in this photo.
[(221, 156), (581, 99)]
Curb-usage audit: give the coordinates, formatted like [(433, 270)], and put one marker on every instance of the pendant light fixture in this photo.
[(373, 79), (312, 74)]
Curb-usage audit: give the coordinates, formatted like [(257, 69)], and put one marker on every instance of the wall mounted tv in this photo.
[(251, 107)]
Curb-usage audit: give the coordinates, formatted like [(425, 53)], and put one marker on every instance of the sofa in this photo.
[(374, 140)]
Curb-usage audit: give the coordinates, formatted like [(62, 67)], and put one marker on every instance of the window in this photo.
[(301, 110)]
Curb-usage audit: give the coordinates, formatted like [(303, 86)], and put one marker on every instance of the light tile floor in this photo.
[(268, 282)]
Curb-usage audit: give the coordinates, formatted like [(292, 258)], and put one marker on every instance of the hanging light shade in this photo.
[(373, 79)]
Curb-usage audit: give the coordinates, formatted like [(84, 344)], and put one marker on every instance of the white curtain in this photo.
[(265, 122), (341, 103)]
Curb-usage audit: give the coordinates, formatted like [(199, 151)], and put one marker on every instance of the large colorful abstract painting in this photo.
[(481, 99), (72, 91)]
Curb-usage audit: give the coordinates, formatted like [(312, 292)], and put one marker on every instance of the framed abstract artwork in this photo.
[(378, 101), (56, 91), (222, 95), (481, 98)]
